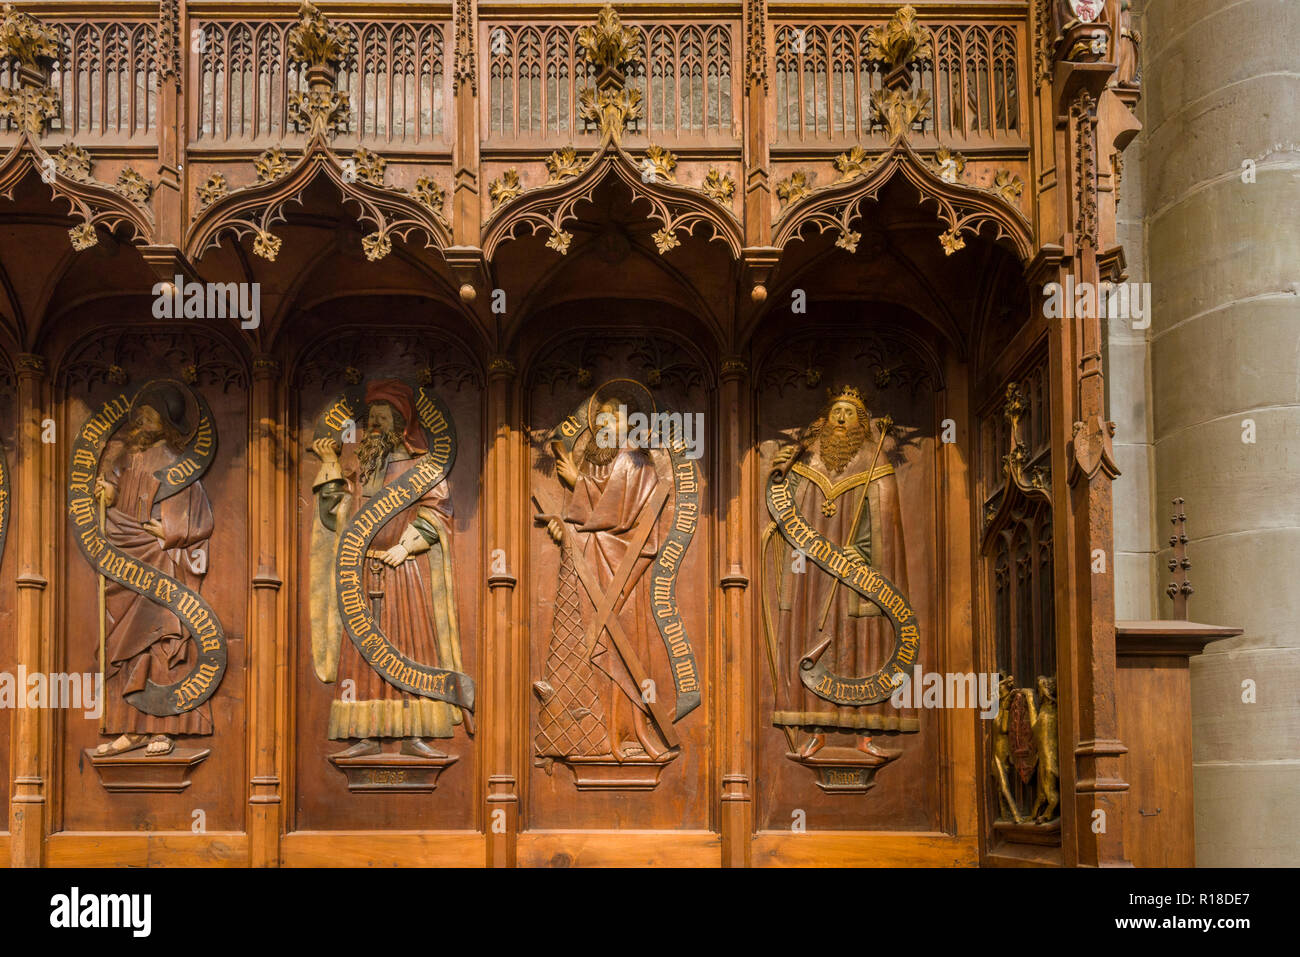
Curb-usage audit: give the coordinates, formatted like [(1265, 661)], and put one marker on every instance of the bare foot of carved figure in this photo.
[(418, 749), (363, 748), (159, 745), (866, 747), (815, 744), (121, 745)]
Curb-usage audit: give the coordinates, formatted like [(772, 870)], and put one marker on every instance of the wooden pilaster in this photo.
[(266, 616), (32, 489), (736, 673), (497, 704), (467, 197)]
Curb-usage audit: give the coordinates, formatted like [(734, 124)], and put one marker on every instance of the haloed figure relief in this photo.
[(381, 554), (840, 633), (622, 515), (142, 518)]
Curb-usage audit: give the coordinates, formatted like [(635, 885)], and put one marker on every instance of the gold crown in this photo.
[(848, 394)]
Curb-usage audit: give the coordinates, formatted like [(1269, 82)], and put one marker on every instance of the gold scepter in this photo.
[(885, 424)]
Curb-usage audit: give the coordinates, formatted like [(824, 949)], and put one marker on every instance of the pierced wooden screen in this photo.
[(395, 76), (108, 81), (824, 79), (535, 73)]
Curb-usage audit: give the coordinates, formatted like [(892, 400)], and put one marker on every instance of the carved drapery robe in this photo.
[(417, 607), (607, 503), (863, 637), (146, 641)]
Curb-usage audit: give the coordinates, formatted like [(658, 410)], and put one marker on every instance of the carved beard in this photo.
[(838, 448), (140, 438), (373, 451), (598, 455)]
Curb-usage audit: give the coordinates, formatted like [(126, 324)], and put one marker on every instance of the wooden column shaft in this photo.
[(265, 617), (31, 488), (497, 705), (737, 638)]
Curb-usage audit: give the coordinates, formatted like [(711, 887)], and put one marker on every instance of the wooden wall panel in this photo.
[(113, 362), (563, 378), (792, 384), (322, 801)]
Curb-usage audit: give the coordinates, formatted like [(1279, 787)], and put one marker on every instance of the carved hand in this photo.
[(556, 530), (327, 448), (105, 493), (783, 456), (568, 472), (155, 528), (395, 555)]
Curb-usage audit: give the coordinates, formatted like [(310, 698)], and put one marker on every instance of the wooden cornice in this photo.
[(1167, 638)]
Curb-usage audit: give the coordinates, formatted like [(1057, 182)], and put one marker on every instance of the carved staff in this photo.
[(606, 620), (103, 611)]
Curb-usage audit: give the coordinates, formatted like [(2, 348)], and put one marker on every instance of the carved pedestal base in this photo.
[(393, 772), (843, 770), (603, 773), (1029, 832), (136, 771)]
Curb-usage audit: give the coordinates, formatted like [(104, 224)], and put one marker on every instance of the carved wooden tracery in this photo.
[(395, 76), (963, 209), (678, 209), (825, 78), (537, 69)]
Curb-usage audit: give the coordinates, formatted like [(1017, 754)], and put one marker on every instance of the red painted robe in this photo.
[(365, 705), (145, 640)]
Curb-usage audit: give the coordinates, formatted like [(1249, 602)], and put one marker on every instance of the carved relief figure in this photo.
[(162, 529), (839, 488), (408, 585), (622, 530), (1025, 747), (1129, 72)]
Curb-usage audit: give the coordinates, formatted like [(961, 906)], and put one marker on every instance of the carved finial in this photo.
[(901, 41), (32, 104), (1030, 480), (898, 44), (317, 42), (24, 38), (322, 46), (612, 48)]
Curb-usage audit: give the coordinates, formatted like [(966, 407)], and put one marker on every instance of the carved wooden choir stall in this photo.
[(548, 434)]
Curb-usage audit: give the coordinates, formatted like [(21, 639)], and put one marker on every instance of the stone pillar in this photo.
[(1221, 96)]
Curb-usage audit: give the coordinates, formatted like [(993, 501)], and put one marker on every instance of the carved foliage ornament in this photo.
[(610, 105), (25, 39), (31, 104), (563, 164), (900, 41), (1034, 482), (321, 46), (317, 42)]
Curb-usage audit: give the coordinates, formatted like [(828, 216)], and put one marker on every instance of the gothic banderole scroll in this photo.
[(834, 600), (142, 519), (623, 535)]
